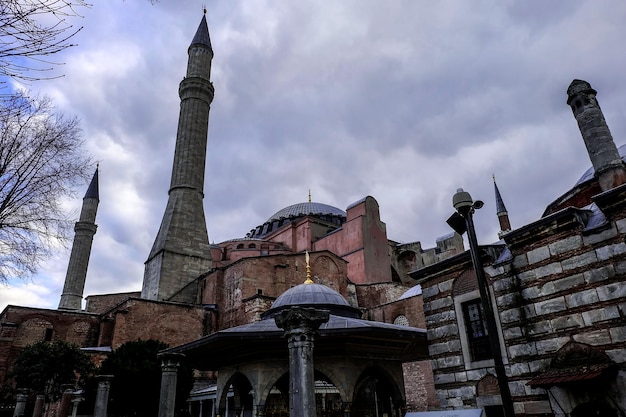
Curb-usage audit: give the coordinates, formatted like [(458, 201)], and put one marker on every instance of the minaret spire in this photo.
[(503, 215), (84, 230), (181, 251)]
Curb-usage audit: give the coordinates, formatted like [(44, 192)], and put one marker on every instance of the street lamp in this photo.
[(462, 221)]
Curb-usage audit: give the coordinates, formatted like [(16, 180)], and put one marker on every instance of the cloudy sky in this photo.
[(402, 100)]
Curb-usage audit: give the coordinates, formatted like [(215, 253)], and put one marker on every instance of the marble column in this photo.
[(20, 403), (66, 402), (38, 409), (102, 396), (170, 362), (300, 325), (76, 400)]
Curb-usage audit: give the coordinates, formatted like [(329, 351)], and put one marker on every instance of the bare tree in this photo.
[(41, 162), (33, 30)]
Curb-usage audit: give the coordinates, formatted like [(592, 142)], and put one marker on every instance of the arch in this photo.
[(326, 271), (240, 246), (33, 330), (376, 393), (252, 246), (464, 283), (487, 386), (277, 398), (401, 320), (328, 398), (237, 397), (574, 354), (407, 260)]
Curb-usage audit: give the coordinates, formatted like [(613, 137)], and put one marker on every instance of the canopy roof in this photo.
[(340, 336)]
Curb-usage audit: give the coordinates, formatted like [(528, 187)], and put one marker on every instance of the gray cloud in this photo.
[(404, 101)]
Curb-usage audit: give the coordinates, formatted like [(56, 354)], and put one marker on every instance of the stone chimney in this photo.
[(607, 163)]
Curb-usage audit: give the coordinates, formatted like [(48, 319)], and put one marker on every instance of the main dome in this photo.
[(324, 212), (306, 209)]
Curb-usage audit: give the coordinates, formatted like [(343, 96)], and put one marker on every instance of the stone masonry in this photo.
[(181, 251)]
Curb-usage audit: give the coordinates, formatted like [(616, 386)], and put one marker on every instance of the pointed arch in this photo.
[(328, 397), (237, 396), (487, 386), (377, 393)]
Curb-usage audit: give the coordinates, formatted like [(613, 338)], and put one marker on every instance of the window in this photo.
[(401, 320), (494, 411), (48, 335), (476, 330), (473, 345)]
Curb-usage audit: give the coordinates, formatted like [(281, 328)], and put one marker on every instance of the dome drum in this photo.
[(296, 212)]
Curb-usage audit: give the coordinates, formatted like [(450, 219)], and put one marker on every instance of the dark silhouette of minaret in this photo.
[(503, 215), (181, 251), (84, 229), (607, 163)]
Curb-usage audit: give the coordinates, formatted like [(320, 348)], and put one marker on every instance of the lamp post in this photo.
[(462, 221)]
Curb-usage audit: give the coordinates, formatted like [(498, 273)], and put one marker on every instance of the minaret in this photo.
[(607, 163), (84, 229), (181, 251), (503, 215)]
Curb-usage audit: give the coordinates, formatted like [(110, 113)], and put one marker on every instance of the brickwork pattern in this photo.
[(22, 326)]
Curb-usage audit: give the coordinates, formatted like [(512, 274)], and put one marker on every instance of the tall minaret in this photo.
[(181, 251), (503, 215), (84, 229), (607, 163)]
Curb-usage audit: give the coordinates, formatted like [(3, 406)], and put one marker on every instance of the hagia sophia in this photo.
[(381, 328)]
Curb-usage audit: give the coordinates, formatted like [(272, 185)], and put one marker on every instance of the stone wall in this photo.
[(567, 286), (561, 283)]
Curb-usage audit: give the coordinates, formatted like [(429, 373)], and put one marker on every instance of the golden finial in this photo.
[(308, 268), (309, 195)]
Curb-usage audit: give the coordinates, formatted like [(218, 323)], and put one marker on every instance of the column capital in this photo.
[(170, 361), (298, 318)]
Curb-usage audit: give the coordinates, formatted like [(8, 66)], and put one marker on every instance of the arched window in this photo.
[(401, 320)]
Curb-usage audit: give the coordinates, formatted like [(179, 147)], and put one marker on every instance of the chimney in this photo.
[(607, 163)]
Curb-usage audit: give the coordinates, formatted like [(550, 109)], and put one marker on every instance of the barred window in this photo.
[(476, 329), (401, 320)]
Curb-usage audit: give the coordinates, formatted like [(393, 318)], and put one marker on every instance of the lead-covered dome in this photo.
[(307, 209), (313, 295), (331, 215)]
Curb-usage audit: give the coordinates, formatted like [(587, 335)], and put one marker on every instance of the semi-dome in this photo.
[(313, 295)]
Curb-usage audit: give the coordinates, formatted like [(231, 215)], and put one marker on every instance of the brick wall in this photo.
[(173, 324)]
